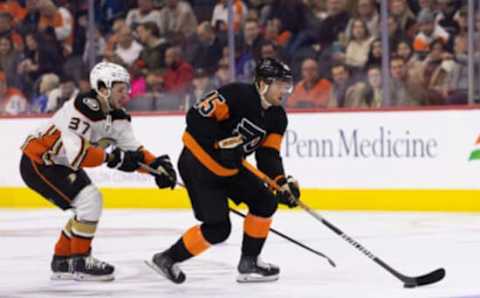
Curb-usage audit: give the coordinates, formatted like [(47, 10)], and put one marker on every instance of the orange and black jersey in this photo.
[(231, 110)]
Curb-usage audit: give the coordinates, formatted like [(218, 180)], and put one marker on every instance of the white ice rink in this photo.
[(413, 243)]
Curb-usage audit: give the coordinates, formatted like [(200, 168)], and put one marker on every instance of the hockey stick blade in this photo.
[(429, 278)]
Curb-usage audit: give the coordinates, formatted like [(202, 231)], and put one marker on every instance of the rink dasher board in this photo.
[(395, 160)]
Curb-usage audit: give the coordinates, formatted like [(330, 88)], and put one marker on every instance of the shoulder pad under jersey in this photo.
[(277, 120), (89, 106), (120, 114)]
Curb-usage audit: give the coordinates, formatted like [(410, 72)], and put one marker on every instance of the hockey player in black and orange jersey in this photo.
[(54, 157), (222, 129)]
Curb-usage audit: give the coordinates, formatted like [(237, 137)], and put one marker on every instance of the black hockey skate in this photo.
[(87, 268), (252, 269), (165, 266), (61, 268)]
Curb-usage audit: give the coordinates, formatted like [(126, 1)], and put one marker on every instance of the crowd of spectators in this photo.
[(176, 50)]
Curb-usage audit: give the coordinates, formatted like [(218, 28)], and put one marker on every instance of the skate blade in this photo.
[(88, 277), (62, 276), (253, 278), (159, 271), (155, 268)]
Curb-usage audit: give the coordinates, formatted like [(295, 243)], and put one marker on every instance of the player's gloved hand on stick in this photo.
[(289, 193), (231, 152), (169, 177), (126, 161)]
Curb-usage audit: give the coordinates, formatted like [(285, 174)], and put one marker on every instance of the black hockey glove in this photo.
[(126, 161), (231, 151), (289, 193), (169, 178)]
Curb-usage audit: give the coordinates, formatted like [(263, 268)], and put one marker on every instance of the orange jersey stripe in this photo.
[(256, 226), (194, 241), (205, 158), (273, 140), (95, 156)]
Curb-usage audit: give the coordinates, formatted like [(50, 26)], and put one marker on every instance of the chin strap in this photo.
[(105, 101)]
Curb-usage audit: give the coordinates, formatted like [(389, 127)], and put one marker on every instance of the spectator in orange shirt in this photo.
[(12, 101), (312, 91), (6, 30), (14, 9)]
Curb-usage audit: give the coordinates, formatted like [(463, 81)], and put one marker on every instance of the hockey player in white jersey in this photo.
[(55, 155)]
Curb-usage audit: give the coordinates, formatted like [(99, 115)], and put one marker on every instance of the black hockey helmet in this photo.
[(270, 69)]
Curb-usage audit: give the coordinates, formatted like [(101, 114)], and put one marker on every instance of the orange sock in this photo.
[(194, 241), (62, 247)]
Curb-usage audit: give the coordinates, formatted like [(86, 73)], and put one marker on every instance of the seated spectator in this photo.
[(358, 46), (100, 47), (127, 49), (400, 11), (275, 33), (374, 54), (177, 17), (290, 13), (438, 64), (12, 101), (456, 89), (9, 59), (144, 13), (367, 94), (403, 91), (58, 96), (342, 81), (60, 20), (42, 55), (428, 32), (222, 75), (208, 50), (179, 73), (6, 30), (32, 16), (220, 13), (312, 91), (152, 56), (47, 83), (14, 9), (201, 85), (366, 10)]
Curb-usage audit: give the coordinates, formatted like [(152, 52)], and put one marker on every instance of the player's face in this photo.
[(278, 91), (119, 95)]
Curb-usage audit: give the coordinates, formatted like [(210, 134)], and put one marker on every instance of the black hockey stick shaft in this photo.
[(330, 261), (429, 278), (278, 233)]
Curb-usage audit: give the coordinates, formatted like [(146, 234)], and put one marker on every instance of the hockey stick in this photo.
[(408, 282), (280, 234)]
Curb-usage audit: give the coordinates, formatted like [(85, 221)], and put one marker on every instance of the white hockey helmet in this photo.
[(108, 73)]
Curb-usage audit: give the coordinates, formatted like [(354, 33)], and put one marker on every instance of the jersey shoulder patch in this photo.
[(89, 106), (120, 114), (276, 119)]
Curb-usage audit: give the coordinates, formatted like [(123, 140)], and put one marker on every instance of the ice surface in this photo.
[(412, 243)]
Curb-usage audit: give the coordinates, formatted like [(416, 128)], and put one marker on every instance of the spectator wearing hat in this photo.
[(12, 100), (428, 32)]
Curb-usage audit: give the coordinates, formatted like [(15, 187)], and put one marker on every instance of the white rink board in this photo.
[(367, 150)]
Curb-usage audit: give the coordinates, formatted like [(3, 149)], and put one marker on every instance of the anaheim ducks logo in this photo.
[(92, 104)]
